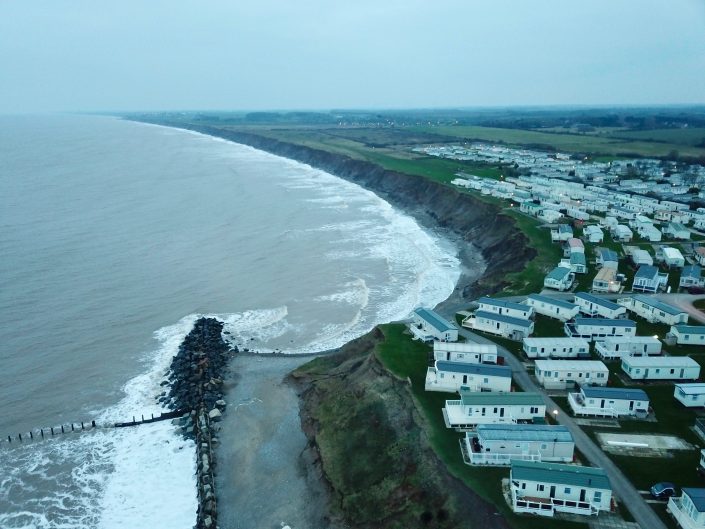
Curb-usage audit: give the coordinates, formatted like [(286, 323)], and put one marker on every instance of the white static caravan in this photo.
[(465, 352), (595, 306), (560, 278), (671, 257), (553, 308), (688, 509), (690, 395), (578, 214), (605, 281), (547, 488), (651, 233), (622, 233), (614, 348), (609, 402), (598, 328), (687, 334), (593, 233), (451, 376), (550, 215), (506, 308), (556, 348), (427, 325), (498, 444), (653, 310), (660, 367), (642, 257), (562, 374), (493, 408), (561, 233), (506, 326)]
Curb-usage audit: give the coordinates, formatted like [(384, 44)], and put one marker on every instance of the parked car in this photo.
[(663, 490), (696, 290)]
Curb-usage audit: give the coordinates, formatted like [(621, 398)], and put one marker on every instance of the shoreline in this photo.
[(483, 236)]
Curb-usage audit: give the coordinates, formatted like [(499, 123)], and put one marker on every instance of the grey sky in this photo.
[(273, 54)]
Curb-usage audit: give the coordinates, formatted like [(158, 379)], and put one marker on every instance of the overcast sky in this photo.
[(316, 54)]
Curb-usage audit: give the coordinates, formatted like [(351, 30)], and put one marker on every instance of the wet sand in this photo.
[(262, 480)]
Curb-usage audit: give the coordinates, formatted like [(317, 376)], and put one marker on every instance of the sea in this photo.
[(114, 237)]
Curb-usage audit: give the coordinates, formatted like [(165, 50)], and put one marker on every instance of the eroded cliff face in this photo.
[(502, 245), (367, 442)]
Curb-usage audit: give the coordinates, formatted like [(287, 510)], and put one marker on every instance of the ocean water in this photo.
[(115, 236)]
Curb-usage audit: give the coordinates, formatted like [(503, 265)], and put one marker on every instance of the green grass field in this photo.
[(570, 143)]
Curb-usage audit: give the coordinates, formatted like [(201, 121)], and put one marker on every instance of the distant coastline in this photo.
[(479, 227)]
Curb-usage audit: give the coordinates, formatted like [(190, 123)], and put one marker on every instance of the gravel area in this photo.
[(262, 480)]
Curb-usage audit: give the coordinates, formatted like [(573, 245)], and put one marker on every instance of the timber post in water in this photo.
[(195, 384)]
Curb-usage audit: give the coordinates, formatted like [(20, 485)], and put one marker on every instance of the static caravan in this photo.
[(556, 347), (560, 278), (691, 276), (493, 408), (553, 308), (498, 444), (507, 308), (427, 325), (671, 257), (609, 222), (562, 374), (573, 245), (576, 262), (700, 254), (605, 281), (450, 376), (595, 306), (690, 395), (622, 233), (465, 352), (642, 257), (609, 402), (550, 215), (547, 488), (648, 279), (686, 335), (593, 234), (561, 233), (506, 326), (607, 258), (653, 310), (616, 347), (651, 233), (660, 367), (688, 509), (577, 214), (676, 231), (598, 328)]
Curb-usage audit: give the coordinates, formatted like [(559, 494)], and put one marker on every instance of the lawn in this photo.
[(409, 359)]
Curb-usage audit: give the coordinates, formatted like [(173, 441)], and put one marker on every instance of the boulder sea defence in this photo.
[(195, 381)]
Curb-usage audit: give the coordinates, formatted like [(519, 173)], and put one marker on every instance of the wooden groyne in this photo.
[(39, 434)]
